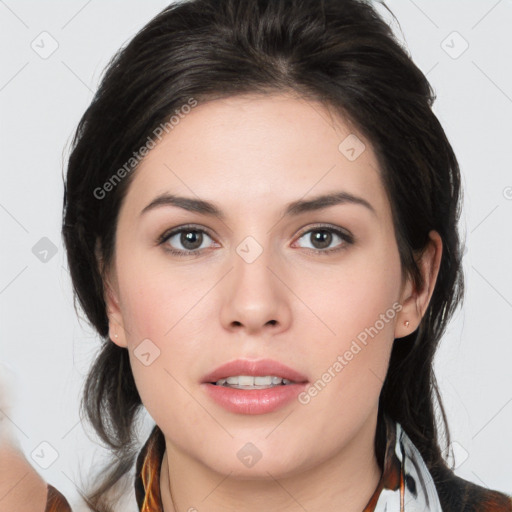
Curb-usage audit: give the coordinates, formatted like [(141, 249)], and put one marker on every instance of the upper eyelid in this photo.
[(167, 234), (320, 225)]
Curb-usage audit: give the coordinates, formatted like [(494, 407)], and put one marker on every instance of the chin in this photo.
[(247, 462)]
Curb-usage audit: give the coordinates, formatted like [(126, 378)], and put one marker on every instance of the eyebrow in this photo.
[(291, 209)]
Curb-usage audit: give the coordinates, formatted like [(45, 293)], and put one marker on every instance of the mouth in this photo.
[(254, 387), (253, 382), (260, 374)]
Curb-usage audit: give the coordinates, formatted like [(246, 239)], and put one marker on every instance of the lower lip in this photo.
[(254, 401)]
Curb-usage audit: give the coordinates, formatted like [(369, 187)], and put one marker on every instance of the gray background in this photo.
[(42, 98)]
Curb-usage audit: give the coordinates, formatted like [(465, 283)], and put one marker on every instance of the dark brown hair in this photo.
[(339, 52)]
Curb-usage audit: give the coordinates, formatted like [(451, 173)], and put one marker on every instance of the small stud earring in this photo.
[(406, 323), (115, 335)]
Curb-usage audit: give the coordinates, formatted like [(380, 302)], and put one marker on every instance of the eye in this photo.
[(190, 238), (321, 237)]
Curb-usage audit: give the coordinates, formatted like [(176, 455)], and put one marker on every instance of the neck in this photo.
[(345, 481)]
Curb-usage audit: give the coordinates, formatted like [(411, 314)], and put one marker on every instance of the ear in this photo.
[(111, 296), (116, 330), (414, 301)]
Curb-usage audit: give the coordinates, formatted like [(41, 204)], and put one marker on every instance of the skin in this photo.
[(21, 486), (252, 155)]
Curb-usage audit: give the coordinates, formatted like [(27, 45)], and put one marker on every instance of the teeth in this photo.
[(251, 382)]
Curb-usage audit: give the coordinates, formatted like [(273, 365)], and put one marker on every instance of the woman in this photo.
[(260, 216)]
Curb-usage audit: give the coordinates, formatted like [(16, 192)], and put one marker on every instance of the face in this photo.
[(319, 290)]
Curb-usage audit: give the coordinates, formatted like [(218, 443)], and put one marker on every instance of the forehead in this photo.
[(259, 150)]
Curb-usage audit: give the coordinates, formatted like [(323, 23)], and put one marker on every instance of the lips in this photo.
[(259, 368)]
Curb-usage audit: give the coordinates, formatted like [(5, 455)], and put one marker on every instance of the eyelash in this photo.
[(345, 236)]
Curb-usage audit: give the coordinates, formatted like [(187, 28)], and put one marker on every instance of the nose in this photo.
[(255, 297)]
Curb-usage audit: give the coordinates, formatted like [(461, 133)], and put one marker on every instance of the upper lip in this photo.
[(258, 368)]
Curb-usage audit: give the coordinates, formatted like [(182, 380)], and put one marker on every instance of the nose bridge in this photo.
[(254, 296), (251, 265)]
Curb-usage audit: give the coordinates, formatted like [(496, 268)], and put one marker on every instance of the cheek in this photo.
[(353, 296), (357, 305), (153, 299), (163, 320)]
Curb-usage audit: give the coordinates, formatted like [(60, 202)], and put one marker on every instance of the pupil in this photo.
[(191, 237), (322, 236)]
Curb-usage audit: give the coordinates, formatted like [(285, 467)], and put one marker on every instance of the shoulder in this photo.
[(460, 495)]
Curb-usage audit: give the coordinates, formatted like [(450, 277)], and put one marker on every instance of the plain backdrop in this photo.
[(464, 47)]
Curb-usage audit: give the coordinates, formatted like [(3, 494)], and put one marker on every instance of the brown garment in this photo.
[(55, 501)]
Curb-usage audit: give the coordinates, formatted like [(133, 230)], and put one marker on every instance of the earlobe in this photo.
[(116, 335), (116, 329), (415, 301), (115, 316), (407, 319)]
